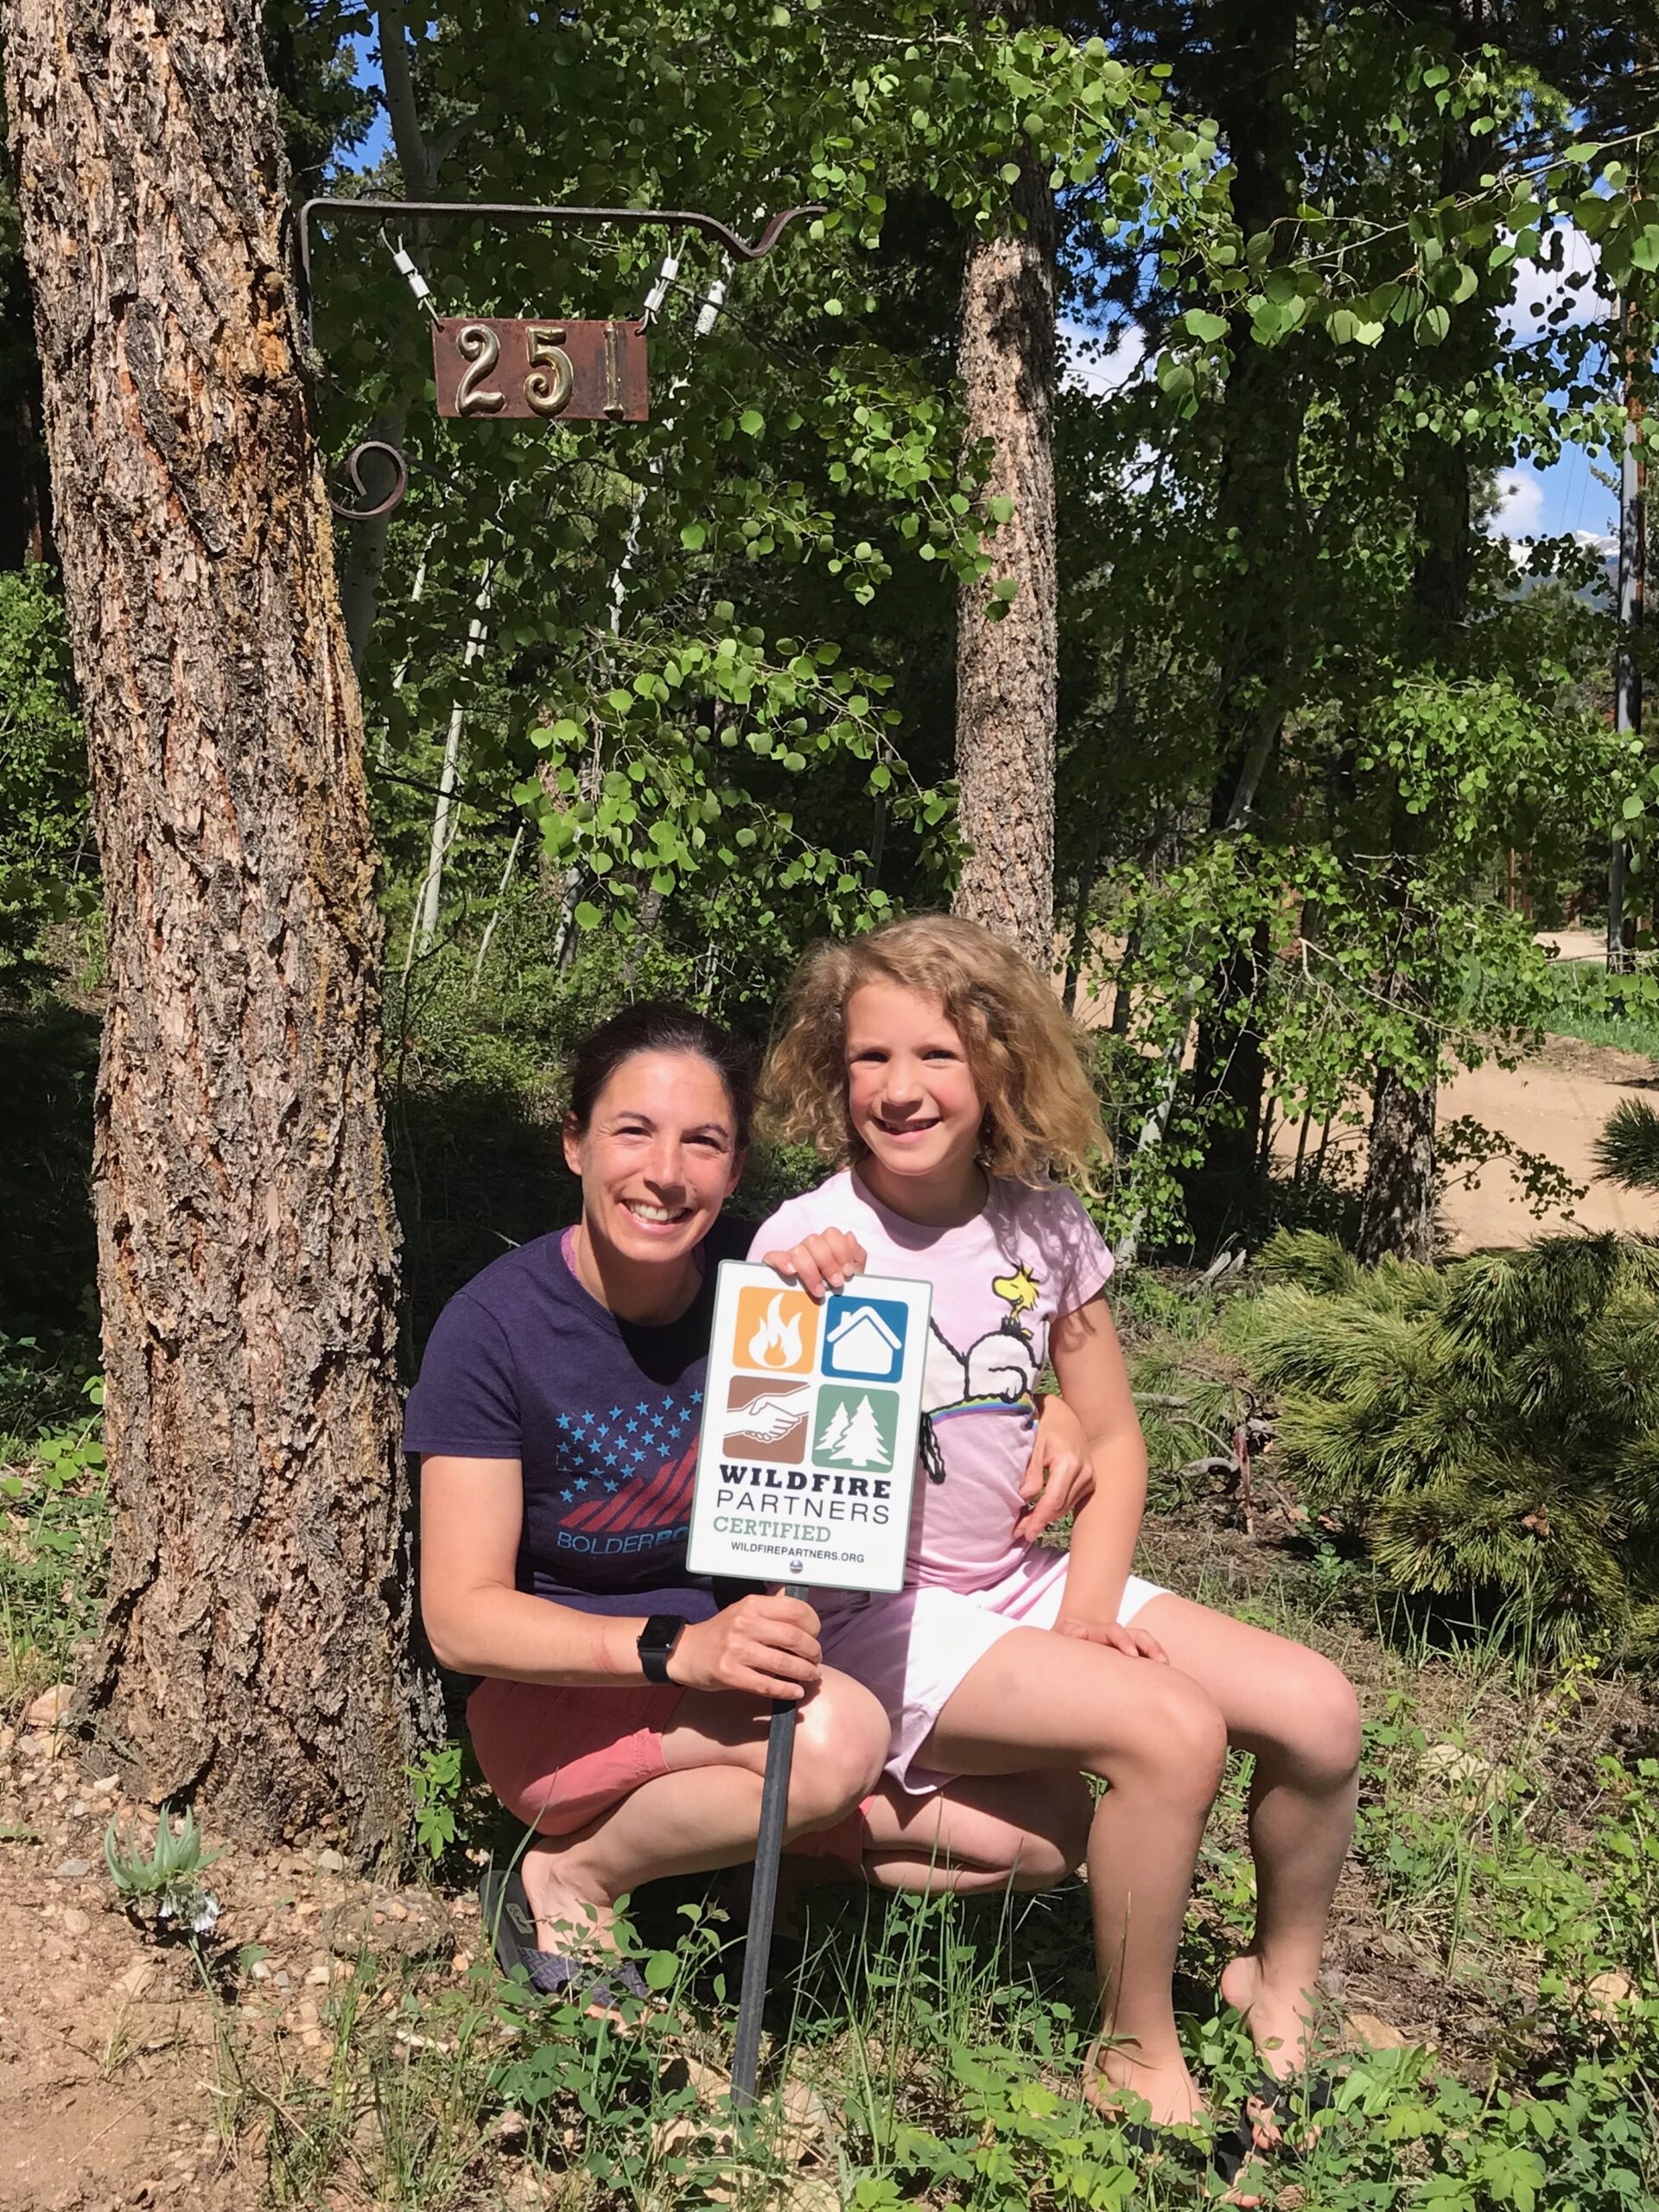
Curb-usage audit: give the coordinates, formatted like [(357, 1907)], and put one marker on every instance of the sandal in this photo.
[(581, 1978), (1303, 2095)]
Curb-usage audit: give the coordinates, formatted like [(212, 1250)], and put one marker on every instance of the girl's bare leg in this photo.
[(1297, 1713), (1037, 1699), (981, 1833), (705, 1811)]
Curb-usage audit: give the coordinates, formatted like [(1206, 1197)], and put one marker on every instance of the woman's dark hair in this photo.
[(661, 1025)]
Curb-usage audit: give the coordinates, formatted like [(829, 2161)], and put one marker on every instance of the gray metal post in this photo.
[(769, 1845)]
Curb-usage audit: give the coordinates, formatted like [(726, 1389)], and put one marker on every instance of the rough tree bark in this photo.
[(255, 1650), (1006, 669)]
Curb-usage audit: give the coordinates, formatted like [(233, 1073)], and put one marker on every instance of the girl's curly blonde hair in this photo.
[(1041, 1113)]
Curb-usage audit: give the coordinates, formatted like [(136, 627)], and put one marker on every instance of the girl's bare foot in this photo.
[(1277, 2018), (1115, 2072)]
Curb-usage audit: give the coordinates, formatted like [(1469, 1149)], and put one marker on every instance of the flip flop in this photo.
[(1305, 2097), (591, 1979)]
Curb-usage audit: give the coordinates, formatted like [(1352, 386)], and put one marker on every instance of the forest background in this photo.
[(1088, 519)]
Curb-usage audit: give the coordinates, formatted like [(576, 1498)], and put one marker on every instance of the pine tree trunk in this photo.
[(1006, 669), (254, 1653)]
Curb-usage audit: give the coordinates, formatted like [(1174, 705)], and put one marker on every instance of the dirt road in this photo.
[(1557, 1105)]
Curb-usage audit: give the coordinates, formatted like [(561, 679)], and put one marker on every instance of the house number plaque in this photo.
[(495, 369)]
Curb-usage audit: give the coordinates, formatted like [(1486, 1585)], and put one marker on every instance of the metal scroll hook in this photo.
[(355, 470)]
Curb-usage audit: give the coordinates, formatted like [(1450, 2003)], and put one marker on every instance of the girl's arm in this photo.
[(1059, 1475), (1089, 1361), (471, 1512)]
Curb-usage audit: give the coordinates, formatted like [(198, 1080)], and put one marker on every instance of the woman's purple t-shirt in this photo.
[(602, 1414)]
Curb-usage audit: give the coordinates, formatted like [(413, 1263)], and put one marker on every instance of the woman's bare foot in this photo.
[(569, 1917)]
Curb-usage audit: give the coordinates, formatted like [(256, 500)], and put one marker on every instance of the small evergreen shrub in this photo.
[(1492, 1427)]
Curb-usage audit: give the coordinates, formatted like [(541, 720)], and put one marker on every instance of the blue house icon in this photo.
[(864, 1336)]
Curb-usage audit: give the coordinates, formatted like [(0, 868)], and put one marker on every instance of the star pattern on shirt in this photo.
[(601, 1448)]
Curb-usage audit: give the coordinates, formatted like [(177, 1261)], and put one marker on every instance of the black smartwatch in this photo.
[(655, 1647)]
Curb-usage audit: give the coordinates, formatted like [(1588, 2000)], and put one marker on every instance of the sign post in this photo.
[(812, 1414)]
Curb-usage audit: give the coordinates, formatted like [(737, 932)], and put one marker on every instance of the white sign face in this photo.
[(810, 1416)]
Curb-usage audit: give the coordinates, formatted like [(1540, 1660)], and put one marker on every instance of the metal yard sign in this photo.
[(507, 367), (811, 1413)]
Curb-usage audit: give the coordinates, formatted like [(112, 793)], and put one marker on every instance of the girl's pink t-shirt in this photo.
[(998, 1281)]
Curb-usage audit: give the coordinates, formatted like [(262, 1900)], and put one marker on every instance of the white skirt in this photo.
[(913, 1649)]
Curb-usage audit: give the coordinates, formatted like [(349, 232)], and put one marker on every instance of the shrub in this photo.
[(1493, 1427)]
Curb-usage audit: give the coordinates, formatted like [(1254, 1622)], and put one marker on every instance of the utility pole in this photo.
[(1627, 676)]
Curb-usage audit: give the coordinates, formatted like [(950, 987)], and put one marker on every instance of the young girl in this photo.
[(937, 1065)]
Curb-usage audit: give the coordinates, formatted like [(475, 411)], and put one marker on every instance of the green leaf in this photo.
[(588, 916), (1431, 325), (752, 421), (1203, 324), (693, 535), (999, 508)]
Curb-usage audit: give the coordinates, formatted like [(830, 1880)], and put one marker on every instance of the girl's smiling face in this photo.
[(911, 1097)]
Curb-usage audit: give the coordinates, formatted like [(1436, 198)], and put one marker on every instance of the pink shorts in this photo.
[(559, 1757)]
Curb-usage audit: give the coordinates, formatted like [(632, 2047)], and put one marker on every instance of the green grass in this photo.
[(1603, 1009), (1500, 1911)]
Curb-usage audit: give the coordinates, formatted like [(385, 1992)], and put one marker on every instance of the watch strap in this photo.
[(656, 1646)]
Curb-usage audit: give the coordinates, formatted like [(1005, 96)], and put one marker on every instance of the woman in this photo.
[(623, 1711)]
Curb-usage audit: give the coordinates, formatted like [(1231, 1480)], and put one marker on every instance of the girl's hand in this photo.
[(822, 1261), (1134, 1642), (1060, 1474), (765, 1647)]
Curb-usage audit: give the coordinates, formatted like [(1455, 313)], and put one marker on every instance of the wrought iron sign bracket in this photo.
[(615, 342)]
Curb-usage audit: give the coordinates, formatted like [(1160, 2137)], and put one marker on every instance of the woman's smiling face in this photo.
[(658, 1158)]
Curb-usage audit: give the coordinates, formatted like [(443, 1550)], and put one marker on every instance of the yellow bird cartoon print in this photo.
[(1017, 1291)]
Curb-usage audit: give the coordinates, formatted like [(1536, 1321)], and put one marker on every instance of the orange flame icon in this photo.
[(776, 1342)]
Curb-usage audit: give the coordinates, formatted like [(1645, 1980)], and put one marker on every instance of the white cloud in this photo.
[(1101, 361), (1520, 504), (1538, 291), (1519, 513)]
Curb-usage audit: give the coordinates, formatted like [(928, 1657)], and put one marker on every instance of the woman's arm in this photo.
[(472, 1513), (1095, 1381)]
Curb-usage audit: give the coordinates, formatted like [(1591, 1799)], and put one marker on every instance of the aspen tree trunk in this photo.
[(1259, 529), (254, 1653), (1396, 1214), (1005, 681)]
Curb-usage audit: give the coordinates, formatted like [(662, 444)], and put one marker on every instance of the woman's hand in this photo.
[(1134, 1642), (822, 1261), (765, 1647), (1060, 1474)]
